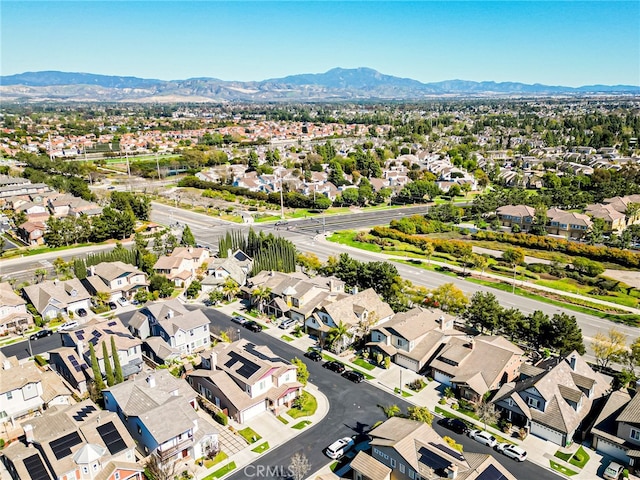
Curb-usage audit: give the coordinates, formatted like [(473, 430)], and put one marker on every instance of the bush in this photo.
[(40, 360), (221, 418)]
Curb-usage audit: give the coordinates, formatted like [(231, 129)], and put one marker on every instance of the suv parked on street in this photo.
[(484, 438)]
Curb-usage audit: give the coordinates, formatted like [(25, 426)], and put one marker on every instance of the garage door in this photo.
[(251, 412), (612, 449), (442, 378), (407, 362), (547, 433)]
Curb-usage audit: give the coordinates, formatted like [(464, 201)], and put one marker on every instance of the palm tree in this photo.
[(337, 335), (262, 295), (40, 273), (230, 288)]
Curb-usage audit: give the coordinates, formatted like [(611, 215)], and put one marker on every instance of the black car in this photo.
[(112, 305), (81, 312), (455, 425), (313, 355), (45, 332), (253, 326), (355, 377), (334, 366)]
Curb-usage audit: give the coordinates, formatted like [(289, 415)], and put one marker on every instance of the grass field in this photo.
[(221, 472), (363, 363), (249, 435), (302, 424), (263, 447), (309, 406)]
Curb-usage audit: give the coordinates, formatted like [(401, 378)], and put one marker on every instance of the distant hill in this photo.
[(334, 85)]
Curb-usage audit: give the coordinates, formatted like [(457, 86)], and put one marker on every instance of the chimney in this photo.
[(28, 433), (190, 249), (92, 270), (151, 381), (213, 358), (229, 253), (332, 285), (6, 364), (471, 344), (80, 349), (354, 290), (55, 281), (169, 313), (441, 322), (452, 471), (572, 362)]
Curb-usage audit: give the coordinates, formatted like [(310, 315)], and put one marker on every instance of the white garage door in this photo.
[(547, 433), (442, 378), (407, 362), (608, 448), (251, 412)]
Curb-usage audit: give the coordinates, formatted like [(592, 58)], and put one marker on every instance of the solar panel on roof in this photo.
[(111, 324), (61, 447), (247, 369), (80, 336), (35, 468), (491, 473), (111, 438), (432, 460), (450, 451)]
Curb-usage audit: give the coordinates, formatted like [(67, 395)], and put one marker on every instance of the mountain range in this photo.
[(337, 84)]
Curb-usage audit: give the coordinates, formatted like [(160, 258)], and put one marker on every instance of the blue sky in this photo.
[(552, 42)]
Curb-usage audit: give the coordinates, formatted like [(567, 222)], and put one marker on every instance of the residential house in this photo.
[(199, 256), (182, 329), (476, 366), (235, 266), (552, 400), (129, 348), (179, 270), (78, 441), (360, 312), (118, 279), (623, 204), (246, 380), (521, 215), (158, 410), (26, 388), (13, 311), (568, 224), (32, 233), (614, 220), (160, 351), (403, 449), (71, 366), (411, 338), (57, 297), (616, 431)]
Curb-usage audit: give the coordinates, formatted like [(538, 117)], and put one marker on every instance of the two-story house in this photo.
[(551, 400), (616, 431), (26, 388), (521, 215), (476, 366), (184, 330), (79, 442), (360, 312), (13, 311), (57, 297), (199, 256), (158, 410), (180, 270), (234, 266), (129, 348), (411, 338), (403, 449), (568, 224), (245, 379), (614, 221), (118, 279), (32, 233)]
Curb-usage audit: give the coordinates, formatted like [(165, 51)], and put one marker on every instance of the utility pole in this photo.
[(513, 289), (281, 195), (128, 168), (158, 165)]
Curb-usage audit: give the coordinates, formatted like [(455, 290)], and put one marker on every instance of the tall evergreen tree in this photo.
[(107, 365), (117, 368), (95, 367), (187, 239)]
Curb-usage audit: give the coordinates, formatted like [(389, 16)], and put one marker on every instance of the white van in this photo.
[(286, 323), (338, 448)]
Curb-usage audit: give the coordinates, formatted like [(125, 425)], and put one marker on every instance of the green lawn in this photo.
[(282, 419), (580, 458), (249, 435), (363, 363), (286, 338), (263, 447), (346, 237), (564, 470), (215, 460), (301, 425), (229, 467), (333, 466), (563, 456), (404, 392), (309, 405)]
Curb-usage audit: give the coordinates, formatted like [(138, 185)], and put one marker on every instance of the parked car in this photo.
[(112, 305), (484, 438), (512, 451), (313, 355), (338, 448), (286, 323), (613, 471), (334, 366), (68, 325), (123, 301), (45, 332), (455, 424), (352, 375), (81, 312), (252, 326), (239, 320)]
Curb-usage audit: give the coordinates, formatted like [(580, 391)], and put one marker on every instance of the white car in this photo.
[(338, 448), (68, 325), (484, 438), (123, 301), (512, 451)]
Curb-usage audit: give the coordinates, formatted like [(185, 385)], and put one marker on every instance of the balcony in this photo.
[(168, 452)]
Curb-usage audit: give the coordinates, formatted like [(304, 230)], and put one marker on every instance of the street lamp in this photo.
[(238, 334)]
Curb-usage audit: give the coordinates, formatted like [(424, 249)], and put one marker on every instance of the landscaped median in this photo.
[(569, 463)]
